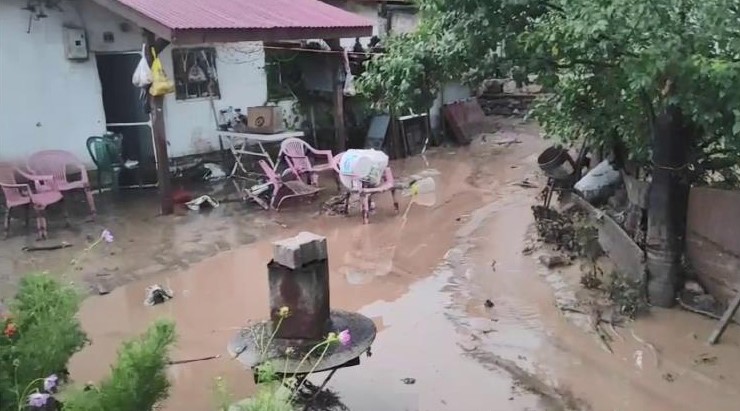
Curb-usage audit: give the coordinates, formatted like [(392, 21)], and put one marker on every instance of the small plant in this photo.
[(591, 278), (41, 333), (279, 389), (627, 294), (138, 380)]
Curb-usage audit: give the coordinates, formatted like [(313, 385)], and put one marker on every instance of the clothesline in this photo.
[(321, 51)]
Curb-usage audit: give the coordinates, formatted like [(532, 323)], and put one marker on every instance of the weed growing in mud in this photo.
[(567, 231), (627, 294), (591, 278)]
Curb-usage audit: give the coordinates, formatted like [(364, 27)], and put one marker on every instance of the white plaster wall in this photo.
[(190, 125), (47, 101)]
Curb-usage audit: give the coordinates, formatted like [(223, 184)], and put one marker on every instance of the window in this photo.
[(195, 73), (283, 74)]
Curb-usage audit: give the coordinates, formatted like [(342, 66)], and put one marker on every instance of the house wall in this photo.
[(712, 240), (242, 81), (49, 102)]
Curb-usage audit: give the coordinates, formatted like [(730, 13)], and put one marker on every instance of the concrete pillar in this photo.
[(299, 280)]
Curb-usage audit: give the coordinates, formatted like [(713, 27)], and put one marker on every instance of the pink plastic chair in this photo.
[(57, 163), (297, 188), (297, 156), (43, 194), (387, 184)]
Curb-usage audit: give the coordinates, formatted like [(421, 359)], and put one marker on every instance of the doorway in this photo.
[(125, 114)]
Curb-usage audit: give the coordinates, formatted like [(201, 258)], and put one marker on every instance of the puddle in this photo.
[(518, 354), (368, 263)]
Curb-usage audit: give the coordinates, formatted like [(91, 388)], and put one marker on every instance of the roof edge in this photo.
[(136, 17), (201, 36)]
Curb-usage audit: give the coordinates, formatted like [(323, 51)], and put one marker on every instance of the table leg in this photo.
[(321, 388)]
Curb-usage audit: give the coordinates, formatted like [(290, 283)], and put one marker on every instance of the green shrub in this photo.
[(39, 337), (138, 380)]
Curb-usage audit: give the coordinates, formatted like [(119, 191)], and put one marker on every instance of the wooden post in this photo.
[(340, 134), (725, 320), (159, 134), (163, 164)]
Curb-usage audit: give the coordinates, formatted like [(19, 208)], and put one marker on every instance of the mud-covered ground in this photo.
[(424, 280)]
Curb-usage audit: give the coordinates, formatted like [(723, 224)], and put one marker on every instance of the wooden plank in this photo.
[(725, 321)]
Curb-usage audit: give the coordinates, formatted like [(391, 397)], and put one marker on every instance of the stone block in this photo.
[(300, 250)]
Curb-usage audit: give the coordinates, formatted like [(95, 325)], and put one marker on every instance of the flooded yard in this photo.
[(465, 320)]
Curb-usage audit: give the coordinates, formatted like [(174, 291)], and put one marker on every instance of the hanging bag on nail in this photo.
[(161, 85), (143, 74)]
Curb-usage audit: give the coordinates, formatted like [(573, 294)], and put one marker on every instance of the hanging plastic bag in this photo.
[(349, 79), (161, 85), (196, 74), (143, 74)]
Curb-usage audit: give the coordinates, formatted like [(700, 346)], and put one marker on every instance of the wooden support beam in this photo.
[(340, 133), (160, 135)]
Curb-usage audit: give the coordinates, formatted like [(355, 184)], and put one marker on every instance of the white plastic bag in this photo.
[(349, 79), (143, 74)]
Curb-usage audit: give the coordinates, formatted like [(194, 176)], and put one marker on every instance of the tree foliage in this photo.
[(610, 65), (607, 66), (461, 40)]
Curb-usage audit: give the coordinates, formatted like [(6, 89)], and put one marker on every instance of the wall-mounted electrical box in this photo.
[(75, 43)]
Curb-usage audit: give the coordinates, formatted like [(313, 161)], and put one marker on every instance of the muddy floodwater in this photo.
[(424, 280)]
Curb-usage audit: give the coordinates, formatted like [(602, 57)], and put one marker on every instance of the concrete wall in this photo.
[(50, 102), (713, 239), (47, 101)]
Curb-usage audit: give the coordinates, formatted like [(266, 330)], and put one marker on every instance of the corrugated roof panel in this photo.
[(245, 14)]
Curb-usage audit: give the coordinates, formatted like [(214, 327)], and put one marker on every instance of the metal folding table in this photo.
[(238, 144)]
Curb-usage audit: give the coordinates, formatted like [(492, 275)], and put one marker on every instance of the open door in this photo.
[(125, 114)]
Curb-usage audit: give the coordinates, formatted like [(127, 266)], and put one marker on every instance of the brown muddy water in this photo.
[(424, 282)]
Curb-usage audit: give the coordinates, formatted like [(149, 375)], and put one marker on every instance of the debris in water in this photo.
[(591, 278), (335, 205), (156, 294), (213, 172), (706, 359), (628, 294), (694, 287), (177, 362), (638, 358), (528, 249), (489, 304), (555, 228), (669, 377), (493, 265), (195, 205), (102, 288), (525, 184), (59, 246), (552, 261), (408, 381)]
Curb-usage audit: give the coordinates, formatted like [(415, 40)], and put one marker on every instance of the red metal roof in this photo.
[(246, 14)]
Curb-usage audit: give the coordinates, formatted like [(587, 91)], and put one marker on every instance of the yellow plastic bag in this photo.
[(161, 85)]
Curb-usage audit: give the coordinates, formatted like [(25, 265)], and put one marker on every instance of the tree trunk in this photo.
[(668, 200)]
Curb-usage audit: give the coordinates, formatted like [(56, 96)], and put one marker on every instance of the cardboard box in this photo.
[(265, 120)]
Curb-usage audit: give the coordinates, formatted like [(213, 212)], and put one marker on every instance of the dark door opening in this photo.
[(125, 115)]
